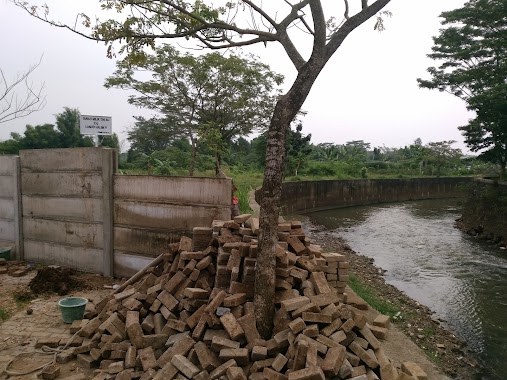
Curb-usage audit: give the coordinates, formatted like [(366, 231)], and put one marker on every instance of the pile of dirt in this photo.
[(55, 279)]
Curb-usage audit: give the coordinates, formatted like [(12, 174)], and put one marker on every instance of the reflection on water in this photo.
[(464, 281)]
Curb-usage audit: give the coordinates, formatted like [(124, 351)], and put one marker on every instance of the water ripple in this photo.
[(461, 279)]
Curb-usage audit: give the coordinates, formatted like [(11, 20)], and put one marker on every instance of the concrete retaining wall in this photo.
[(152, 212), (318, 195)]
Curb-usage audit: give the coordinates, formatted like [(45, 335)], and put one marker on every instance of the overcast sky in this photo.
[(367, 91)]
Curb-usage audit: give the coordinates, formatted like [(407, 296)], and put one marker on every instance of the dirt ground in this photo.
[(454, 358), (20, 330)]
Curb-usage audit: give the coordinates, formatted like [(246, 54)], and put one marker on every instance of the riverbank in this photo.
[(416, 321)]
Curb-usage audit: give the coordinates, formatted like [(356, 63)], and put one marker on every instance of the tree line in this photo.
[(64, 133)]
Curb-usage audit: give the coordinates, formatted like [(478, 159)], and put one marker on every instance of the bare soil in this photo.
[(16, 292), (418, 323)]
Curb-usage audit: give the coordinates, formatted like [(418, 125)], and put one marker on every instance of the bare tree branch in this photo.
[(347, 9), (319, 23), (352, 23), (260, 11), (14, 103)]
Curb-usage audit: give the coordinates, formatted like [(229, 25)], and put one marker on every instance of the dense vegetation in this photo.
[(471, 52)]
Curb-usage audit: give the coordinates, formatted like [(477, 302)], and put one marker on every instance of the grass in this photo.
[(428, 331), (245, 182), (370, 295), (4, 315)]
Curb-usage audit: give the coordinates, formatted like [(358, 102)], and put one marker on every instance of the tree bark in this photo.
[(286, 109), (193, 157)]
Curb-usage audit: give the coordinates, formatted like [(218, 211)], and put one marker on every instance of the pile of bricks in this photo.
[(13, 268), (192, 316)]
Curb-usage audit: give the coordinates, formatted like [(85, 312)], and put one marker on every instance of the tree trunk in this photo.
[(218, 163), (286, 109), (193, 157)]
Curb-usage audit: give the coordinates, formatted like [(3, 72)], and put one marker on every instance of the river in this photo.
[(464, 281)]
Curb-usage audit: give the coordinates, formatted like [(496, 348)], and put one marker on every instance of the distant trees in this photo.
[(472, 52), (19, 97), (45, 136)]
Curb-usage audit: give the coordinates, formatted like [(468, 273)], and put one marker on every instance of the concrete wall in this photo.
[(67, 204), (152, 212), (10, 228), (67, 207), (315, 195)]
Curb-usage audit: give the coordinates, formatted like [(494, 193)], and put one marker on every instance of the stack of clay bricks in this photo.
[(191, 317)]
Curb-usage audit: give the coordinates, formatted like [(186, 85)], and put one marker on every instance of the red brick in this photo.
[(185, 366), (271, 374), (220, 371), (319, 281), (248, 324), (333, 360), (218, 343), (370, 360), (312, 373), (298, 247), (196, 293), (294, 303), (316, 317), (168, 372), (235, 300), (240, 355), (232, 326), (235, 373), (207, 358), (181, 347)]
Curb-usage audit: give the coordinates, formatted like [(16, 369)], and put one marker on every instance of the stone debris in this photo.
[(192, 316)]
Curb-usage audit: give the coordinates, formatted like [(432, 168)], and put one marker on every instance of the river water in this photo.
[(462, 280)]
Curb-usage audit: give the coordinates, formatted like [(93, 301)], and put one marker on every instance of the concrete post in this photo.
[(18, 209), (108, 169)]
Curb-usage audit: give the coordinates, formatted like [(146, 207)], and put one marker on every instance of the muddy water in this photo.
[(462, 280)]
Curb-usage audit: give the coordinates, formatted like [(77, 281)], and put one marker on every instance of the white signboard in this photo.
[(95, 125)]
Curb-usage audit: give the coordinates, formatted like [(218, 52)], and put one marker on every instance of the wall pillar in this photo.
[(108, 169), (18, 209)]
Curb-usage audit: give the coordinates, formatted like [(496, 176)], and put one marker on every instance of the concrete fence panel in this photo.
[(64, 207), (152, 212), (62, 160), (73, 209), (10, 207)]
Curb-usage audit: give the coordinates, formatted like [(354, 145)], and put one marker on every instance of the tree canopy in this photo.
[(472, 49), (211, 97)]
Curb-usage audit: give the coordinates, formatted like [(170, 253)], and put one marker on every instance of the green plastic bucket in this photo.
[(72, 308), (5, 253)]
